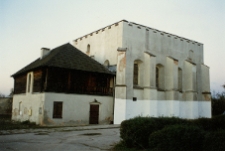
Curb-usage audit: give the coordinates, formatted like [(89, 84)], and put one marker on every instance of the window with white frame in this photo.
[(29, 88)]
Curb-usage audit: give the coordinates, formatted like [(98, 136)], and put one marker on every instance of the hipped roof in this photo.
[(67, 57)]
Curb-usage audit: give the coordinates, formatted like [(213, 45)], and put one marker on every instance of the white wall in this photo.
[(103, 43), (76, 108), (31, 107), (164, 108)]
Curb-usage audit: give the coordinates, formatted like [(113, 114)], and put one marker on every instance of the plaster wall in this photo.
[(103, 43), (170, 51), (164, 108), (205, 78), (28, 107), (76, 108)]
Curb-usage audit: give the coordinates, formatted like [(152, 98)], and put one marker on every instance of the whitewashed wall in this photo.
[(103, 43), (76, 108), (162, 108), (29, 108)]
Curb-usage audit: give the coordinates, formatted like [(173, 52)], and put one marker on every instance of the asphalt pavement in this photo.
[(87, 138)]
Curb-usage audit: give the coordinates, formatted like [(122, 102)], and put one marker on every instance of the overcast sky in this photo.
[(26, 26)]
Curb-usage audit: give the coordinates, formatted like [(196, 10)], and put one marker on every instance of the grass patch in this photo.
[(7, 124)]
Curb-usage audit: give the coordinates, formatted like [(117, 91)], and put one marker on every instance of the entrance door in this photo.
[(94, 112)]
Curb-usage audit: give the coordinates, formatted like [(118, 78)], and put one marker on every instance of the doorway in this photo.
[(94, 113)]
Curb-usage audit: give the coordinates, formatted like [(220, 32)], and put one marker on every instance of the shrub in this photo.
[(177, 137), (218, 122), (204, 123), (135, 132), (162, 122), (214, 141), (213, 124)]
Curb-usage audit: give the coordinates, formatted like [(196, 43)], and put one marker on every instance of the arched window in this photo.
[(159, 74), (179, 79), (88, 50), (30, 82), (136, 70), (106, 63), (157, 77)]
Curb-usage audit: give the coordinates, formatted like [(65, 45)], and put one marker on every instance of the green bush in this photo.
[(204, 123), (211, 124), (214, 141), (135, 132), (177, 137)]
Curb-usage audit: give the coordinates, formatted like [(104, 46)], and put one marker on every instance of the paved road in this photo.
[(89, 138)]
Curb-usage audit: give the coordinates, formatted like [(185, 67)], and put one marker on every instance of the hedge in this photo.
[(135, 132), (211, 124), (214, 141), (177, 137)]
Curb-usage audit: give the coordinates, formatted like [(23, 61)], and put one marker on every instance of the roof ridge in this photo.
[(66, 56), (138, 25)]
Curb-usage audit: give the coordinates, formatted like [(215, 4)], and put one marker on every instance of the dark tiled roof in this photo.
[(68, 57)]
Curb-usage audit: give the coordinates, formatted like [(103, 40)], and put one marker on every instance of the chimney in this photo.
[(44, 52)]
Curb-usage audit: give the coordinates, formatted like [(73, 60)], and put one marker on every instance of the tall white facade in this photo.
[(157, 73)]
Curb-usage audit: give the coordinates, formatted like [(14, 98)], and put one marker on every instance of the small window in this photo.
[(88, 50), (57, 109), (106, 63), (134, 99)]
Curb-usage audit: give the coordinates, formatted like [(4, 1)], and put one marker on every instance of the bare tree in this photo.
[(11, 92), (2, 95)]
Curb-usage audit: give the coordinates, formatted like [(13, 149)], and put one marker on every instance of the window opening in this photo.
[(88, 50), (29, 82), (106, 63), (157, 77), (135, 78), (179, 79), (57, 109)]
